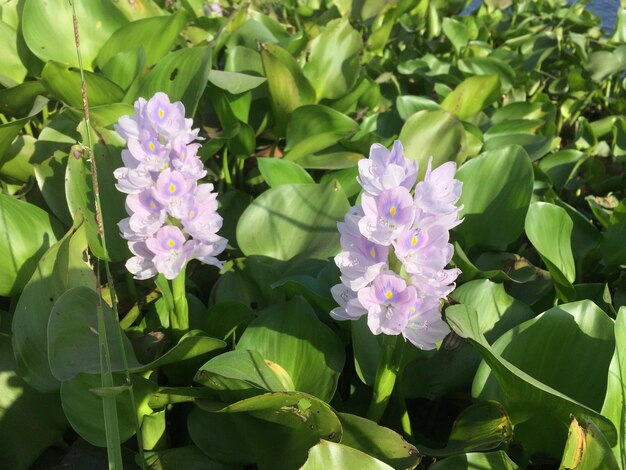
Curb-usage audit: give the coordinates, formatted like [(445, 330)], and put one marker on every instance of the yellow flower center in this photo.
[(152, 205), (389, 295), (171, 243), (392, 211), (171, 188), (414, 240), (182, 155), (192, 214), (151, 146), (161, 113), (373, 253)]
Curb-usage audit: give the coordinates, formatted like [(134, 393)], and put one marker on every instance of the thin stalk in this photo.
[(225, 169), (386, 375), (101, 234), (179, 320)]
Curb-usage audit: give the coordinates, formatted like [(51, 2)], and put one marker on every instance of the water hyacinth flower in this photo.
[(172, 219), (395, 248)]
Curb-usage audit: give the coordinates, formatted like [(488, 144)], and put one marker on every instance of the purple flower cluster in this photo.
[(172, 218), (395, 248)]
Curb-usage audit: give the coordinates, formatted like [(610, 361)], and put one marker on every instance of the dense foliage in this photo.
[(526, 97)]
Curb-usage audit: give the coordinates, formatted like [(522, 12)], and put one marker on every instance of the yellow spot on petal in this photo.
[(161, 113), (182, 155), (192, 214), (152, 147), (413, 310), (373, 253), (414, 240), (171, 188), (171, 243), (152, 205), (392, 211), (388, 294)]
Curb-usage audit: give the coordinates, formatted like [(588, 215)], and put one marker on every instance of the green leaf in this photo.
[(277, 172), (60, 269), (437, 134), (331, 455), (291, 335), (50, 176), (31, 421), (20, 248), (481, 426), (456, 32), (18, 101), (288, 86), (274, 430), (531, 400), (472, 95), (497, 186), (312, 128), (297, 226), (612, 244), (84, 408), (73, 345), (49, 32), (80, 195), (587, 449), (155, 35), (333, 65), (447, 371), (64, 83), (489, 66), (182, 75), (614, 406), (241, 374), (604, 63), (235, 82), (476, 460), (549, 229), (12, 70), (379, 442)]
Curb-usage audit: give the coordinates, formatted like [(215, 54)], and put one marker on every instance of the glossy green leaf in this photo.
[(50, 176), (60, 269), (612, 244), (12, 70), (156, 35), (587, 449), (476, 460), (83, 407), (49, 32), (331, 455), (64, 83), (489, 66), (379, 442), (288, 86), (497, 186), (333, 65), (312, 128), (17, 164), (456, 32), (73, 345), (242, 374), (604, 63), (30, 421), (182, 75), (614, 406), (472, 95), (21, 249), (274, 430), (235, 82), (481, 426), (437, 134), (80, 196), (18, 101), (291, 335), (277, 172), (8, 132), (446, 371), (524, 395), (297, 226), (549, 229)]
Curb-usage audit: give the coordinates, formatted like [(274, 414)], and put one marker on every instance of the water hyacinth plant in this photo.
[(395, 248), (425, 208)]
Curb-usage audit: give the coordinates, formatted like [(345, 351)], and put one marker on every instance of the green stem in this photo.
[(386, 374), (179, 321)]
